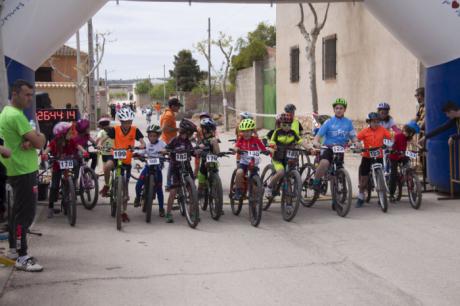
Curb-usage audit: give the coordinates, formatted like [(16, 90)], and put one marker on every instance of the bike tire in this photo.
[(267, 174), (290, 195), (113, 197), (255, 198), (344, 205), (215, 197), (381, 190), (204, 200), (370, 187), (71, 200), (120, 198), (414, 189), (236, 206), (192, 210), (308, 196), (149, 197), (85, 193)]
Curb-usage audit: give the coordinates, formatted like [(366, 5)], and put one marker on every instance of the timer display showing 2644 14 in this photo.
[(50, 115)]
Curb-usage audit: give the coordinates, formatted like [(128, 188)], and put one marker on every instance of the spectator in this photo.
[(420, 117), (158, 110), (113, 111), (168, 120), (452, 111), (22, 140)]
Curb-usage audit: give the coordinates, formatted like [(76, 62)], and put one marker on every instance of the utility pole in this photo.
[(98, 97), (81, 107), (209, 66), (92, 98), (164, 84), (3, 72)]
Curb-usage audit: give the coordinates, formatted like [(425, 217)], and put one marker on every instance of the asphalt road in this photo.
[(404, 257)]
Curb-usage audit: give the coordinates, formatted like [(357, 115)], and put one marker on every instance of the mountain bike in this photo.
[(88, 186), (407, 176)]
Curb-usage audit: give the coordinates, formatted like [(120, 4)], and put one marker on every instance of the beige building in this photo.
[(357, 59)]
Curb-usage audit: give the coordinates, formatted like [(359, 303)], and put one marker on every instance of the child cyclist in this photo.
[(83, 137), (247, 141), (179, 143), (153, 147), (282, 139), (372, 137), (386, 120), (398, 154), (210, 143), (124, 137), (63, 146), (105, 144)]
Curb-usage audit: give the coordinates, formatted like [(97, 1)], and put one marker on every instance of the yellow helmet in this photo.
[(247, 124)]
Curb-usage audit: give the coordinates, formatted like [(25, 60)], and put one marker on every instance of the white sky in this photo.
[(146, 36)]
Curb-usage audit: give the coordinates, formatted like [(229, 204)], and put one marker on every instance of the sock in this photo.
[(361, 196)]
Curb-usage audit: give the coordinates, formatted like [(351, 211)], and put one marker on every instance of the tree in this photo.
[(157, 91), (143, 87), (186, 71), (310, 49), (265, 33)]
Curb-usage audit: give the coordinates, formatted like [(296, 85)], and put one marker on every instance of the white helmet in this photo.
[(246, 115), (125, 114)]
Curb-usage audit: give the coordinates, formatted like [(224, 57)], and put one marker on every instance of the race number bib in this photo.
[(120, 154), (411, 154), (253, 153), (154, 161), (374, 153), (210, 158), (66, 164), (388, 142), (338, 149), (181, 157), (292, 154)]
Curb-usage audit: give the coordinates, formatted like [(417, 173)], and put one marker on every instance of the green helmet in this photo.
[(340, 101), (247, 124), (153, 128)]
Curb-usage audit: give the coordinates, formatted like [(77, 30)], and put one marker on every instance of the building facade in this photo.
[(356, 57)]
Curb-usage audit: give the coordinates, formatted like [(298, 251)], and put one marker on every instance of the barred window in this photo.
[(295, 52), (330, 57)]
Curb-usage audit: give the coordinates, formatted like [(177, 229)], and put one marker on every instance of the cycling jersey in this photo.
[(400, 145), (337, 131), (281, 137), (152, 149), (373, 138), (252, 144), (390, 125), (296, 126), (125, 141)]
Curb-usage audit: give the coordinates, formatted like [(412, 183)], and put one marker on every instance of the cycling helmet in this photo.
[(286, 118), (125, 114), (61, 128), (204, 115), (153, 128), (290, 108), (246, 115), (383, 106), (413, 126), (247, 125), (208, 124), (104, 121), (187, 125), (372, 116), (340, 101), (82, 125)]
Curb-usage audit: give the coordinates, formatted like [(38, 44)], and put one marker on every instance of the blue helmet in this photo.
[(413, 126)]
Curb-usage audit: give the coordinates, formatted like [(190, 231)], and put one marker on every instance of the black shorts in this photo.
[(106, 158), (328, 155), (366, 164)]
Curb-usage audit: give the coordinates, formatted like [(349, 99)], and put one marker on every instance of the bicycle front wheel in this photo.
[(120, 197), (236, 205), (70, 200), (342, 192), (190, 198), (381, 190), (414, 188), (267, 174), (255, 200), (308, 195), (215, 196), (89, 188), (290, 197), (149, 197)]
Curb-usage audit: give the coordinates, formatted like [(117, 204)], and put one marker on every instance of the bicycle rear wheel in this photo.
[(342, 192), (255, 198), (70, 201), (381, 190), (290, 195), (308, 195), (267, 174), (215, 196), (89, 188), (148, 192), (236, 205), (192, 210), (120, 197)]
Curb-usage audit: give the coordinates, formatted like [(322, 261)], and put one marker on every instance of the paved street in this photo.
[(404, 257)]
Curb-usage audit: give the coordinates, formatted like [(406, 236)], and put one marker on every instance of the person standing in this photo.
[(168, 120), (22, 139), (420, 116), (158, 110)]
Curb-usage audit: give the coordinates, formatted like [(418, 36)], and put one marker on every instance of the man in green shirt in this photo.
[(21, 169)]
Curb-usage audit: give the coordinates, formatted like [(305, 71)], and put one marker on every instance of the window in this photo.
[(295, 64), (330, 57), (44, 74)]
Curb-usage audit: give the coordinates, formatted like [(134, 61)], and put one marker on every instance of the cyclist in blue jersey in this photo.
[(336, 131)]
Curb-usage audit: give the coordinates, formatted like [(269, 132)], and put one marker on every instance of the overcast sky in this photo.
[(145, 36)]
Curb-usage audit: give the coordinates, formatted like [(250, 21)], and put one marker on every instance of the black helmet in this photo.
[(153, 128), (372, 116), (290, 108), (208, 124), (187, 125)]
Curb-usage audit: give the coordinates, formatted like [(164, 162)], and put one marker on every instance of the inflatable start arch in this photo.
[(430, 29)]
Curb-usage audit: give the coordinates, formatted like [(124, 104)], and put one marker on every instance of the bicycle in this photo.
[(290, 185), (187, 195), (339, 179), (253, 189), (88, 186), (213, 192), (376, 179), (408, 176)]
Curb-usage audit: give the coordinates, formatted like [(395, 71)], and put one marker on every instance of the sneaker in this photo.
[(359, 203), (268, 192), (12, 254), (50, 213), (162, 212), (104, 191), (169, 218), (124, 217), (137, 202), (28, 264)]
